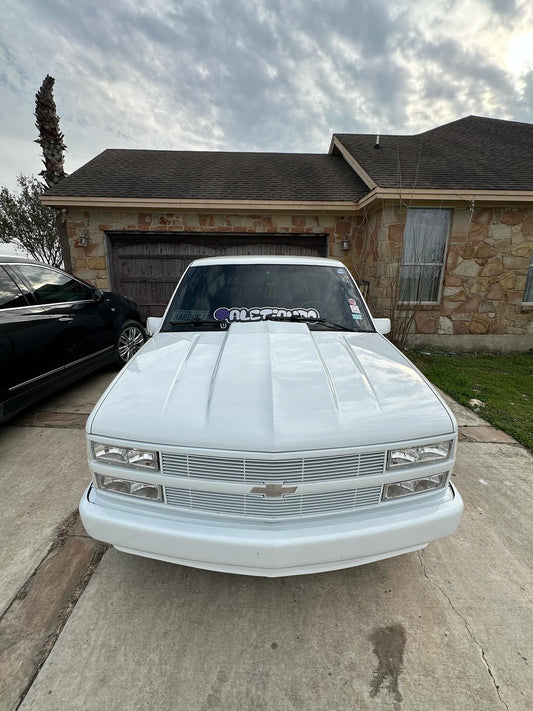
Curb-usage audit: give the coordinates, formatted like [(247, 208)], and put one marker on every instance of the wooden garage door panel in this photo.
[(147, 269)]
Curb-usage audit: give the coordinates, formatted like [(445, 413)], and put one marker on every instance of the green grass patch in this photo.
[(503, 382)]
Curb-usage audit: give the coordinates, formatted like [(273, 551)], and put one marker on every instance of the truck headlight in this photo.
[(138, 458), (133, 488), (425, 454), (414, 486)]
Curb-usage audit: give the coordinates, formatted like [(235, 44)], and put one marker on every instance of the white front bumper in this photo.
[(272, 549)]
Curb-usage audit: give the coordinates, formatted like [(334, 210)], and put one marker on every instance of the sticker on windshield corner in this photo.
[(223, 313), (357, 317), (340, 271), (190, 315)]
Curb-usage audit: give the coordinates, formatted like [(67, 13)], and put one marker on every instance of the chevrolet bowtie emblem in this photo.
[(273, 490)]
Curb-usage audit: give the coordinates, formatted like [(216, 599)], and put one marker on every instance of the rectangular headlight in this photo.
[(425, 454), (138, 458), (133, 488), (414, 486)]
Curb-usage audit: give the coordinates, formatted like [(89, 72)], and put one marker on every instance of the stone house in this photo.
[(438, 226)]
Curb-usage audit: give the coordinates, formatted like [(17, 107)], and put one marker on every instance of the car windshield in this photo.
[(213, 296)]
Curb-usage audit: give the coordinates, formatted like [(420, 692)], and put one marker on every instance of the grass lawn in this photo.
[(503, 382)]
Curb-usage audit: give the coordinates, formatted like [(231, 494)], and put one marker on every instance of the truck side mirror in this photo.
[(153, 324), (382, 325)]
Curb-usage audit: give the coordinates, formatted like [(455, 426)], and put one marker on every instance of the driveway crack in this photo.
[(467, 626)]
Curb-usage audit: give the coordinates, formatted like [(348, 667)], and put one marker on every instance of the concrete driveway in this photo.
[(447, 628)]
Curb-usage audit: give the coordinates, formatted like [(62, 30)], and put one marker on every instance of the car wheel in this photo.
[(130, 338)]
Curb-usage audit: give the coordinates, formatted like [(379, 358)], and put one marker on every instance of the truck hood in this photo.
[(270, 387)]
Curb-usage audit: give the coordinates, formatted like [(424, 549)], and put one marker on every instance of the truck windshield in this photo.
[(214, 296)]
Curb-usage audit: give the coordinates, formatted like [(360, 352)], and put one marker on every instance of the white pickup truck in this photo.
[(269, 428)]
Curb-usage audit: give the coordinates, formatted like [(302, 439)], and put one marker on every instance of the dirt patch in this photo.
[(44, 418)]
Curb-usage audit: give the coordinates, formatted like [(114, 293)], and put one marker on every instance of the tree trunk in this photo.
[(61, 225)]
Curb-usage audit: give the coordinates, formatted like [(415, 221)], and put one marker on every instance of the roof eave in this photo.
[(459, 195), (340, 207)]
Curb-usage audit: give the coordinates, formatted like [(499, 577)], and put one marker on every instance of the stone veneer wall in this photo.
[(91, 262), (488, 255)]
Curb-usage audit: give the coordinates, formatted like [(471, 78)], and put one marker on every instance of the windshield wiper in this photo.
[(197, 322), (299, 319), (311, 319)]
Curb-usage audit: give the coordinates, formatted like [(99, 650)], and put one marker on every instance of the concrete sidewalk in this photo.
[(447, 628)]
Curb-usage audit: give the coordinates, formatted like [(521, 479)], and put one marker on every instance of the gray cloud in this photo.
[(248, 74)]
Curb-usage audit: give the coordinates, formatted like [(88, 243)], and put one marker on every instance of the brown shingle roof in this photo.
[(214, 175), (473, 152)]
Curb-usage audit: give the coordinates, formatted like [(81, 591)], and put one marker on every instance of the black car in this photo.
[(55, 328)]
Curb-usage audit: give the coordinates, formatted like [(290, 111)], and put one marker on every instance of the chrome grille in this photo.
[(253, 505), (300, 470)]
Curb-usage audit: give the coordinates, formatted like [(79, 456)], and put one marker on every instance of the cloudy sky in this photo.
[(266, 75)]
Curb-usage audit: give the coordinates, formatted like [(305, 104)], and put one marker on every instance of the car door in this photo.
[(26, 344), (84, 324)]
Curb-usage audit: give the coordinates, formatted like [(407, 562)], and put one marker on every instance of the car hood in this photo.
[(270, 387)]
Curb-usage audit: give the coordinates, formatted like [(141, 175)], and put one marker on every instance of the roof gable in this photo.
[(471, 153)]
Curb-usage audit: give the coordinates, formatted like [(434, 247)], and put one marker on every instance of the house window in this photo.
[(528, 293), (424, 246)]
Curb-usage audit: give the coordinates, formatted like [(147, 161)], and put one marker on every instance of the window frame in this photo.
[(442, 265), (529, 283)]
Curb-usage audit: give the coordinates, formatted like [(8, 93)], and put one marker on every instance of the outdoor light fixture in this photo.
[(83, 240), (345, 244)]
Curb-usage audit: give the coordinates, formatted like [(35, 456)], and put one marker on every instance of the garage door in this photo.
[(147, 267)]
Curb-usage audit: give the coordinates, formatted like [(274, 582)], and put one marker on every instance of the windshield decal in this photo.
[(354, 308), (223, 313), (190, 315)]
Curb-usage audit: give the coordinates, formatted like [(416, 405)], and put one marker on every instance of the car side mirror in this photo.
[(153, 324), (382, 325), (98, 294)]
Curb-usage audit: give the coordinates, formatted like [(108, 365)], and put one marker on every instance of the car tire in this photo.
[(130, 338)]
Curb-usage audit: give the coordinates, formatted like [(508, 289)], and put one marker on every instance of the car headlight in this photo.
[(141, 489), (414, 486), (425, 454), (128, 456)]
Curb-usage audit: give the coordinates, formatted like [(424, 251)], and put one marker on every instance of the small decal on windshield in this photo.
[(357, 317), (354, 308), (190, 315), (223, 313)]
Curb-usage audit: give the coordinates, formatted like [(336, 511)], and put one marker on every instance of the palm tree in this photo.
[(52, 145)]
